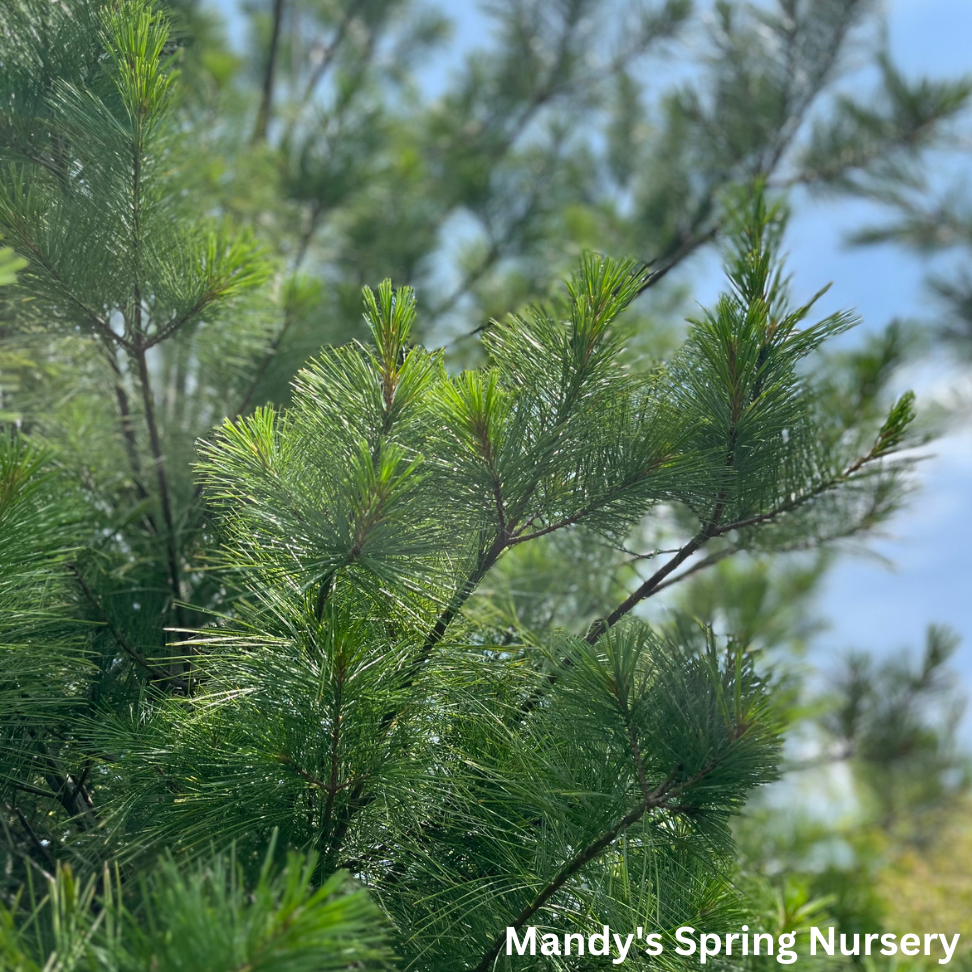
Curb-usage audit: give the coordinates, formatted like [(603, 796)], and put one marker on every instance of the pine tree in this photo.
[(927, 216), (276, 654)]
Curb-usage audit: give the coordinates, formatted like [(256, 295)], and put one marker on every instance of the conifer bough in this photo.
[(337, 699)]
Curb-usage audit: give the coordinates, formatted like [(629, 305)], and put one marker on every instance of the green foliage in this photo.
[(10, 263), (881, 142), (203, 919), (115, 241), (880, 781), (898, 721), (343, 701), (44, 662), (362, 606), (889, 130)]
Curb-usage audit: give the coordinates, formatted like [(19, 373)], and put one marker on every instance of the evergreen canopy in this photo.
[(290, 670)]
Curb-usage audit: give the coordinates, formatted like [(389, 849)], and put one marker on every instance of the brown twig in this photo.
[(650, 586), (269, 77), (657, 799), (163, 482), (33, 790), (116, 633), (34, 839), (336, 717)]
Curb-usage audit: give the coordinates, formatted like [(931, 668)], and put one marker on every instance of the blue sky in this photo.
[(926, 575), (869, 605)]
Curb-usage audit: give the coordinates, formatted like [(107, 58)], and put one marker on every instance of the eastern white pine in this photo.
[(275, 640)]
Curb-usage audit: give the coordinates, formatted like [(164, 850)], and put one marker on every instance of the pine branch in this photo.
[(802, 499), (303, 246), (154, 673), (519, 536), (511, 521), (359, 798), (823, 70), (545, 93), (660, 267), (316, 782), (34, 839), (336, 717), (654, 270), (650, 586), (94, 318), (658, 799), (128, 428), (317, 75), (571, 868), (272, 352), (493, 254), (269, 77), (74, 801), (33, 790), (636, 756), (150, 340), (486, 562), (698, 567), (162, 480), (713, 529)]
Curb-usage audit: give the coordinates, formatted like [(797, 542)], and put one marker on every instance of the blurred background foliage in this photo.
[(612, 125)]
